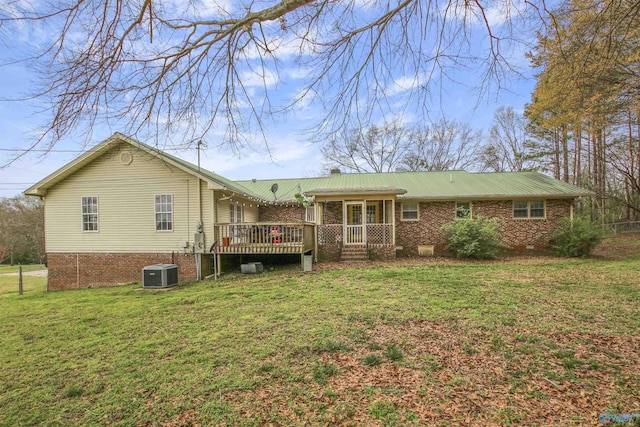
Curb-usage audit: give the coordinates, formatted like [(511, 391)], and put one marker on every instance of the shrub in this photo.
[(575, 238), (473, 238)]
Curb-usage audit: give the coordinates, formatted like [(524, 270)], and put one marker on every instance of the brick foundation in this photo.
[(329, 253), (386, 253), (83, 270)]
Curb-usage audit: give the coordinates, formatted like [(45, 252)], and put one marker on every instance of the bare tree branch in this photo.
[(163, 68)]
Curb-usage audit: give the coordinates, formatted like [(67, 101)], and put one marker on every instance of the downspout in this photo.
[(200, 250), (316, 217), (571, 210)]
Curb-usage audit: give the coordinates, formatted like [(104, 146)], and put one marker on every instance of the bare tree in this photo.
[(375, 149), (444, 145), (510, 147), (193, 68)]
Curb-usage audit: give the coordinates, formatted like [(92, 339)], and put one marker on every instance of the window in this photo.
[(529, 209), (90, 213), (409, 211), (536, 209), (372, 214), (310, 214), (463, 210), (164, 212), (354, 214), (235, 213)]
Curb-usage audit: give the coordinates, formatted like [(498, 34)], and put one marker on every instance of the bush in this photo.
[(575, 238), (473, 238)]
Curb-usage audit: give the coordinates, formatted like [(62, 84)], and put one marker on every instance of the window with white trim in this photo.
[(409, 211), (235, 213), (463, 210), (164, 212), (89, 213), (529, 209), (310, 214)]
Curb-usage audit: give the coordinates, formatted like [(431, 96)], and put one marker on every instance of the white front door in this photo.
[(354, 223)]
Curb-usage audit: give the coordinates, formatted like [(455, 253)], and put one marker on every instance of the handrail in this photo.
[(250, 235)]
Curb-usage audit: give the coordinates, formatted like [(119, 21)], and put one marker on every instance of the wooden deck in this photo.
[(264, 238)]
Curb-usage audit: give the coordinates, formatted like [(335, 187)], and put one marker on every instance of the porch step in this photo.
[(354, 253)]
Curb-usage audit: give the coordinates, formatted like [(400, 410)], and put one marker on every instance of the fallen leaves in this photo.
[(485, 387)]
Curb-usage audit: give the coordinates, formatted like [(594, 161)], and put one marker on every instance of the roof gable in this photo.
[(214, 180)]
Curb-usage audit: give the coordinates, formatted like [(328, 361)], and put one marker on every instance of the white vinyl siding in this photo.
[(89, 213), (126, 206), (164, 212), (249, 210)]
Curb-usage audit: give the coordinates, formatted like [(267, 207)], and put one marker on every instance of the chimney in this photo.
[(335, 171)]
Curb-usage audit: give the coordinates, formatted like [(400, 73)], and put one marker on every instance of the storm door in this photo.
[(354, 224)]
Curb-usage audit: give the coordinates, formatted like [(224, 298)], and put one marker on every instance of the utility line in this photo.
[(41, 150)]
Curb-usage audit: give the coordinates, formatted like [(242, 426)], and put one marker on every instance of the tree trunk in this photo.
[(565, 154), (577, 167), (556, 154)]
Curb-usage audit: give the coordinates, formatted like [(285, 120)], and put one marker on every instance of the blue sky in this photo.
[(292, 152)]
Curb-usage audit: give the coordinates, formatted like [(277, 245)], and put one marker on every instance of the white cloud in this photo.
[(405, 83), (266, 78), (290, 158)]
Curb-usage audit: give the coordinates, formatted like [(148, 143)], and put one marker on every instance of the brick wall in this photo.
[(386, 253), (332, 213), (516, 233), (520, 233), (425, 231), (272, 213), (327, 253), (106, 269)]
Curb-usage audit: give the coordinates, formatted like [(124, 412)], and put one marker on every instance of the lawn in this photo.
[(9, 280), (533, 341)]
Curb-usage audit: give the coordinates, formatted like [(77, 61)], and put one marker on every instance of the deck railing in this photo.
[(379, 234), (264, 238)]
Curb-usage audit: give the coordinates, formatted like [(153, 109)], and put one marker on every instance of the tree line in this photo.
[(515, 142), (22, 230)]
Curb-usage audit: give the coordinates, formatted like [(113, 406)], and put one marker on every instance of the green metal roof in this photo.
[(448, 185)]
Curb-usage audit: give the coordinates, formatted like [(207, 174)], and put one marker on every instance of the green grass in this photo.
[(9, 281), (14, 268), (409, 343)]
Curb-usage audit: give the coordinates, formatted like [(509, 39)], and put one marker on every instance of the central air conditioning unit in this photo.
[(159, 276)]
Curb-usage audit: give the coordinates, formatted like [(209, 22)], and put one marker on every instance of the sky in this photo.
[(292, 153)]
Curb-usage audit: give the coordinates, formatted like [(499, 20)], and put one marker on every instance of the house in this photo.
[(123, 205)]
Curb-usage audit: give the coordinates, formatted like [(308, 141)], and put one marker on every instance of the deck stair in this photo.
[(354, 253)]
